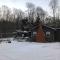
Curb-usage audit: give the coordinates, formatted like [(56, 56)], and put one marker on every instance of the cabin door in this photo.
[(57, 36)]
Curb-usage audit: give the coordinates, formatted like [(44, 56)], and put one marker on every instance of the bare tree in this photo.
[(5, 12), (41, 13), (31, 11), (30, 5), (58, 12), (17, 15), (53, 4)]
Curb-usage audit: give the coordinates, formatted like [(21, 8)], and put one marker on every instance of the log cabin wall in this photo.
[(40, 35)]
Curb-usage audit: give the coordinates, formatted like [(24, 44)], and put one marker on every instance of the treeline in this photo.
[(11, 19), (7, 26), (53, 23)]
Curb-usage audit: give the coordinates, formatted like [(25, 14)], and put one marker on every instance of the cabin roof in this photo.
[(22, 31)]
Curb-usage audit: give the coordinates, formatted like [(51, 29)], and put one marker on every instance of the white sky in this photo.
[(21, 4)]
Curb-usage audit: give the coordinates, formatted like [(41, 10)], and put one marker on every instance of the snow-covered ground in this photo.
[(29, 51), (5, 39)]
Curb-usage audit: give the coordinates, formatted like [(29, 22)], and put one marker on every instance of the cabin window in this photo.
[(22, 35), (34, 33), (47, 34)]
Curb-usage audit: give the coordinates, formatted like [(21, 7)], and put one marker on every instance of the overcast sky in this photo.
[(22, 4)]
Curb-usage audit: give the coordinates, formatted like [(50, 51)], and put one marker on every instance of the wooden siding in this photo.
[(40, 36)]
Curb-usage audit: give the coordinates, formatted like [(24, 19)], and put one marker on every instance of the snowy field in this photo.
[(29, 51)]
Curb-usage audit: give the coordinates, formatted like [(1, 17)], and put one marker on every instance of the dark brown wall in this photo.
[(40, 36)]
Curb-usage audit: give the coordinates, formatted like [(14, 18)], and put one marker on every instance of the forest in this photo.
[(13, 19)]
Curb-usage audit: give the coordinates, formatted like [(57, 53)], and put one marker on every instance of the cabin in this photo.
[(49, 33), (38, 32), (34, 32), (41, 34), (57, 35), (52, 34)]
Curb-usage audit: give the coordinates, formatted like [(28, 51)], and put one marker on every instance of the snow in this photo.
[(29, 51), (5, 39)]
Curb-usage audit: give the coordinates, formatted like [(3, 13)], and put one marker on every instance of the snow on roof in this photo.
[(51, 27), (22, 31)]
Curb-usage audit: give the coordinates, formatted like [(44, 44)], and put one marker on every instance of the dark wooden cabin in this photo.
[(39, 32), (42, 34), (57, 35), (46, 34), (49, 33), (52, 34)]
